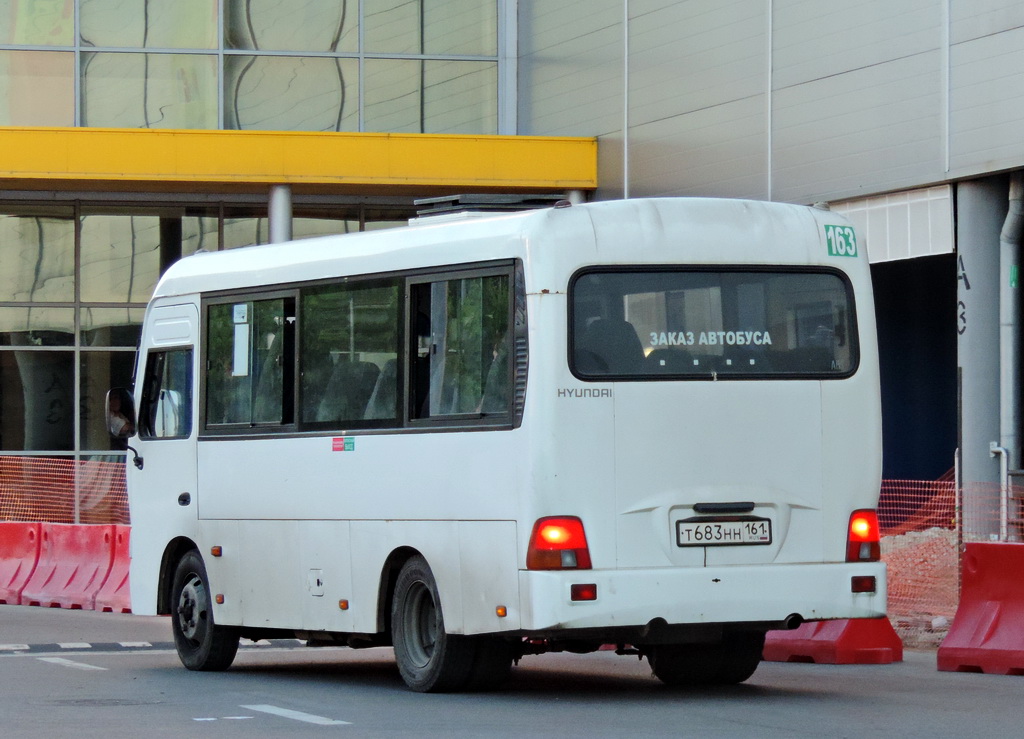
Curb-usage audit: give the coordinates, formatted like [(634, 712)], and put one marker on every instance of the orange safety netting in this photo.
[(921, 548), (921, 528), (61, 490)]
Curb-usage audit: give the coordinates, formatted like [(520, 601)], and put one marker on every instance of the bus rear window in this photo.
[(711, 324)]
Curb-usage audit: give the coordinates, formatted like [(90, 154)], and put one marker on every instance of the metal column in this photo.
[(981, 210), (280, 213)]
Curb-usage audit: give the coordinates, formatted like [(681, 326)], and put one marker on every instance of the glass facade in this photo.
[(77, 273), (421, 66), (73, 290)]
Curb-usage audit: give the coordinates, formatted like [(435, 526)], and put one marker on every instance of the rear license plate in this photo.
[(711, 532)]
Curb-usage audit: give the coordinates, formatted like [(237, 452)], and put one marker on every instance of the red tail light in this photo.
[(558, 543), (862, 540)]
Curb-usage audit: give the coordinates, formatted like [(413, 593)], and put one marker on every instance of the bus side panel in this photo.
[(374, 541), (224, 573), (490, 576), (281, 574), (853, 473), (325, 563), (452, 476), (570, 465)]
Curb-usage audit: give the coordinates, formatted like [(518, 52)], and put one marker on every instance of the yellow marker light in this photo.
[(219, 599), (343, 604), (216, 551), (502, 611)]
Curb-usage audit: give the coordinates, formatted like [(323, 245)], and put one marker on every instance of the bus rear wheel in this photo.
[(201, 644), (728, 662), (429, 659)]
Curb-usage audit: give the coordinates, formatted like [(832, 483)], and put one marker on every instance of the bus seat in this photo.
[(610, 346), (384, 398), (348, 391)]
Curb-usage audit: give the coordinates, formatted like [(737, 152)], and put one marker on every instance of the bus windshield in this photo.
[(701, 323)]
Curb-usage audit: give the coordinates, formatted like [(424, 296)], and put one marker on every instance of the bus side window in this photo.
[(461, 353), (250, 362), (349, 347), (166, 409)]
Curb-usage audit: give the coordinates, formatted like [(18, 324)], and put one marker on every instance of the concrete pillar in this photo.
[(280, 213), (981, 209)]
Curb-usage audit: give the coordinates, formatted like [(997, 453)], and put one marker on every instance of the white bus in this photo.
[(653, 424)]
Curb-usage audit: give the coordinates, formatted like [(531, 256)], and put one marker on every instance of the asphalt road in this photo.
[(85, 674)]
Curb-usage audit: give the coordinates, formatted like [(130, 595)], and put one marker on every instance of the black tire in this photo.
[(429, 659), (728, 662), (201, 644)]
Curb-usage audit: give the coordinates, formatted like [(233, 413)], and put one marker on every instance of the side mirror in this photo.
[(120, 413)]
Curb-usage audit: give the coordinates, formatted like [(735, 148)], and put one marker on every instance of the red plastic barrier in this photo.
[(19, 554), (859, 641), (74, 561), (987, 634), (114, 595)]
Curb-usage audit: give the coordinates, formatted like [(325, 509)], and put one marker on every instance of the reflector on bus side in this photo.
[(558, 543)]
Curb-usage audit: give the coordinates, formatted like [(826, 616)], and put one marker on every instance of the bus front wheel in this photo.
[(201, 644), (429, 660)]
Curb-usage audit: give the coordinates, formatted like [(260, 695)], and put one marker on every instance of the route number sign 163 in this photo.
[(841, 241)]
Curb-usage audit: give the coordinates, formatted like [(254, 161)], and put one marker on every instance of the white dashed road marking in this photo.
[(68, 663), (74, 645), (308, 718)]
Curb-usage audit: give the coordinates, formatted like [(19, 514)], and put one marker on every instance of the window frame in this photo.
[(405, 421), (853, 334), (288, 400), (142, 421), (400, 332), (413, 416)]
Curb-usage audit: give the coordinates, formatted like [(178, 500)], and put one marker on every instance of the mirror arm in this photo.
[(136, 459)]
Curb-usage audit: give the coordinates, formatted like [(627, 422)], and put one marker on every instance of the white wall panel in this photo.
[(570, 67), (694, 55), (865, 97), (870, 129), (903, 225), (724, 155), (972, 19), (813, 39), (987, 103)]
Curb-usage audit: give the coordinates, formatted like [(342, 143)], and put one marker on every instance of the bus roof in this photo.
[(639, 231)]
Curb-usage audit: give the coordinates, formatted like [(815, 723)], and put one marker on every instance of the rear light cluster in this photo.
[(862, 539), (558, 543)]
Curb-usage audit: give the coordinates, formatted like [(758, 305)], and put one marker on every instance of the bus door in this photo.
[(164, 490)]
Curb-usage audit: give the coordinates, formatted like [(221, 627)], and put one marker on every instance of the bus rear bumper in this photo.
[(706, 595)]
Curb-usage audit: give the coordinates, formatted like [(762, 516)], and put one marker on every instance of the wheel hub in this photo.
[(191, 607), (422, 624)]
